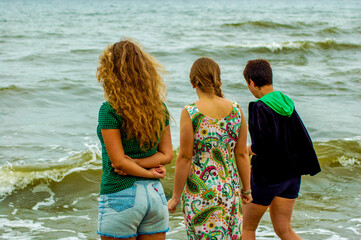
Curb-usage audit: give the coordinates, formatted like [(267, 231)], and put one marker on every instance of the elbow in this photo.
[(242, 156), (169, 157), (185, 159), (118, 163)]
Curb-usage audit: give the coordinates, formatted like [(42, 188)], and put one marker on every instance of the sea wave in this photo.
[(331, 30), (341, 153), (18, 177), (273, 47), (16, 36), (273, 25), (328, 44), (85, 51), (11, 88), (48, 85)]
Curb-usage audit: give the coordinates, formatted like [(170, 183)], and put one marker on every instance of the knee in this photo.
[(283, 231)]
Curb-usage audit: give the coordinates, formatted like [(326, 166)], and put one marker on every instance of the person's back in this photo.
[(283, 146), (282, 152), (136, 143), (212, 158), (214, 179), (218, 108)]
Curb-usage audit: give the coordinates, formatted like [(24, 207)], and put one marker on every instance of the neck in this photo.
[(265, 90), (205, 95)]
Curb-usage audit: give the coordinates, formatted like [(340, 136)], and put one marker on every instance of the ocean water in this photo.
[(50, 164)]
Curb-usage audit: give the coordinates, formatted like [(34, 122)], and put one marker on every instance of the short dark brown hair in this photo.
[(260, 71)]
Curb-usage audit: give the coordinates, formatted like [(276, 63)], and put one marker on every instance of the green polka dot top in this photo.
[(113, 182)]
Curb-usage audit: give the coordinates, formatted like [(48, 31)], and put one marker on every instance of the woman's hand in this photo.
[(158, 172), (120, 172), (172, 204), (246, 199)]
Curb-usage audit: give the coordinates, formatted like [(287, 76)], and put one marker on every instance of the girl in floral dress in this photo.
[(212, 158)]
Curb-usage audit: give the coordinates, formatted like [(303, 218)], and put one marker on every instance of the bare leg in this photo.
[(252, 214), (156, 236), (281, 212)]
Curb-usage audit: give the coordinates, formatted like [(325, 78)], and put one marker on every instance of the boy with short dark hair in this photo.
[(282, 151)]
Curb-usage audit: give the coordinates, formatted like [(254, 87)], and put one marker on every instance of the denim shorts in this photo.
[(139, 209), (264, 194)]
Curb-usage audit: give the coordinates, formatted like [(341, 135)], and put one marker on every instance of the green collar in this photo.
[(279, 102)]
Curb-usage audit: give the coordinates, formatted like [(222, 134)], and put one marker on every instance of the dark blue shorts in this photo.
[(263, 195)]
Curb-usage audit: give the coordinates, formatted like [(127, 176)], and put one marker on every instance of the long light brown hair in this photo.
[(133, 86), (206, 74)]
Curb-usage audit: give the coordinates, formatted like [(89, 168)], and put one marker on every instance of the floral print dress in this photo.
[(211, 197)]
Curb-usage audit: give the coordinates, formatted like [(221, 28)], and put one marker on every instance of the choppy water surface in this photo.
[(50, 166)]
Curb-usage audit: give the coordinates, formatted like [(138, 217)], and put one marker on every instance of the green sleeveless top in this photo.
[(111, 181)]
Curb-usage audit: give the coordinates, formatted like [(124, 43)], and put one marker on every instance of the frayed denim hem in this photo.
[(115, 236), (150, 233)]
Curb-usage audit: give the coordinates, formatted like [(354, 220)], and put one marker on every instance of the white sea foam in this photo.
[(346, 161), (357, 138), (356, 220), (326, 234), (336, 237), (355, 230), (15, 177), (14, 211), (9, 228), (64, 217), (275, 46), (80, 236), (265, 232), (48, 201)]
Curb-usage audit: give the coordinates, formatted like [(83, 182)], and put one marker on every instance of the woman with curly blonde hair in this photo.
[(134, 131)]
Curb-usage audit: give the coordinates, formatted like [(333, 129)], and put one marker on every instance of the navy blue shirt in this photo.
[(282, 146)]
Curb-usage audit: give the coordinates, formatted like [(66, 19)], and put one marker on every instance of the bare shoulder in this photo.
[(185, 114), (223, 103), (232, 104)]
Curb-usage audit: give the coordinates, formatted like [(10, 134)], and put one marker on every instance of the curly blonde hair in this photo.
[(134, 87), (206, 74)]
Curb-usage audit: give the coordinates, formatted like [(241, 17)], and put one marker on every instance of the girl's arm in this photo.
[(184, 159), (164, 154), (114, 146), (242, 161)]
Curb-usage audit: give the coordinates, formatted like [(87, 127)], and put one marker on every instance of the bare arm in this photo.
[(164, 154), (242, 159), (114, 146), (184, 159)]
